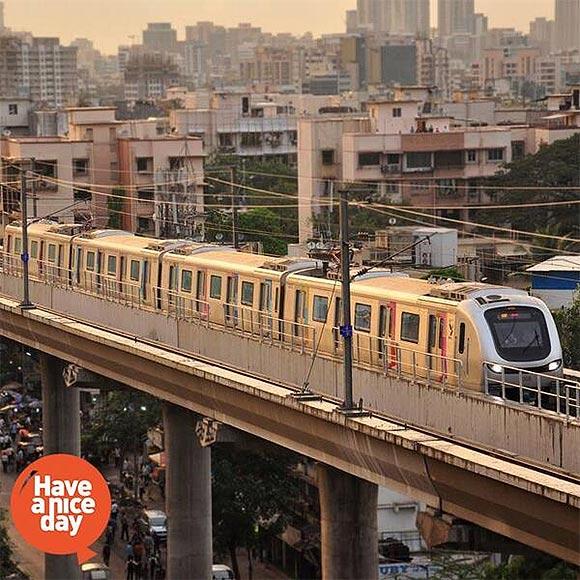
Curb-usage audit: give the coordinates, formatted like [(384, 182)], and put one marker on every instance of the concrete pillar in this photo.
[(187, 497), (348, 526), (61, 433)]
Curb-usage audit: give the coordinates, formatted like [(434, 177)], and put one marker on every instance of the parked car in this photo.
[(222, 572), (155, 521), (95, 571)]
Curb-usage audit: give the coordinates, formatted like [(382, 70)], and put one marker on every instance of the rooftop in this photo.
[(558, 264)]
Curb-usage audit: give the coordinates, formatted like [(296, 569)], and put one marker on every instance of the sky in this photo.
[(112, 22)]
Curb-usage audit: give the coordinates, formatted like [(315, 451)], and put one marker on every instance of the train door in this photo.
[(437, 347), (41, 258), (172, 286), (300, 318), (144, 280), (337, 324), (201, 305), (232, 300), (122, 276), (266, 318), (98, 267), (60, 262)]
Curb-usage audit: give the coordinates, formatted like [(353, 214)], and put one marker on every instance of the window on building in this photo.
[(393, 159), (419, 160), (186, 281), (215, 287), (112, 265), (247, 294), (368, 159), (91, 261), (12, 109), (176, 163), (362, 317), (518, 150), (449, 158), (18, 246), (81, 194), (471, 156), (410, 327), (34, 250), (144, 164), (89, 134), (397, 112), (80, 167), (46, 168), (495, 155), (320, 309), (328, 157), (251, 139), (226, 139), (144, 225), (134, 270), (145, 194)]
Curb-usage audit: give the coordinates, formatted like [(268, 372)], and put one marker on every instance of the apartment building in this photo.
[(103, 171), (253, 125), (408, 151), (39, 69)]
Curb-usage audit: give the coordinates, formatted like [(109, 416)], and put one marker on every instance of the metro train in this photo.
[(458, 334)]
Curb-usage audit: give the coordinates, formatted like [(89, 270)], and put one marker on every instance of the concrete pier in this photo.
[(188, 497), (348, 525), (61, 434)]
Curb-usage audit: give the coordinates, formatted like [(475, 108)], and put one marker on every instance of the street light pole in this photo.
[(346, 327), (235, 215), (26, 304)]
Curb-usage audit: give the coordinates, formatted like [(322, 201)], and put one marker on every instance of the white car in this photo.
[(221, 572)]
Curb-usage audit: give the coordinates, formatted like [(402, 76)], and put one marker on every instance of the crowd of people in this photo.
[(20, 444)]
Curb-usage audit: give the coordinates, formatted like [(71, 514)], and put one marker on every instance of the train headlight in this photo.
[(495, 368), (555, 365)]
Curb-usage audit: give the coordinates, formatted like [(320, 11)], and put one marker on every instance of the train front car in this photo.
[(518, 341)]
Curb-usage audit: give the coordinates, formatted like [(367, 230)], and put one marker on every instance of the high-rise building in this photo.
[(160, 37), (567, 24), (542, 34), (367, 11), (2, 25), (456, 17), (351, 21), (395, 16), (40, 69)]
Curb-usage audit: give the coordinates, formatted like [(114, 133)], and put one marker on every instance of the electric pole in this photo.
[(26, 303), (346, 328), (235, 216)]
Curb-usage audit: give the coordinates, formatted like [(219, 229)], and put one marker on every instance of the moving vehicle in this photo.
[(221, 572), (155, 522), (457, 334)]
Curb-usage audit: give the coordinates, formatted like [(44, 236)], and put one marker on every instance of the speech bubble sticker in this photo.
[(61, 505)]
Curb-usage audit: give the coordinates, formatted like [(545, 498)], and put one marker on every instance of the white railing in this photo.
[(548, 392)]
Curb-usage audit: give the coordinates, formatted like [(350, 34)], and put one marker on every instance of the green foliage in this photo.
[(7, 566), (115, 205), (121, 421), (266, 217), (252, 493), (554, 167), (445, 273), (568, 322)]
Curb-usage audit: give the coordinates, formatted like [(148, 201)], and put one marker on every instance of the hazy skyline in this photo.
[(112, 22)]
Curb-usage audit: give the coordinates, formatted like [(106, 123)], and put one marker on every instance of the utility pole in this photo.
[(346, 328), (235, 216), (26, 304)]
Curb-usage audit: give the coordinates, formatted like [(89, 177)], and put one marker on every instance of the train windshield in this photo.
[(520, 333)]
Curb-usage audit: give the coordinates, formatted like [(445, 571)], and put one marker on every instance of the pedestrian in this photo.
[(124, 527), (117, 457), (4, 461), (106, 554), (131, 569), (109, 536), (153, 566), (128, 551), (114, 510), (19, 460), (125, 467), (138, 550), (149, 544), (113, 526)]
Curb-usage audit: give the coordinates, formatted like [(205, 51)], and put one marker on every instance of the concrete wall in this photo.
[(538, 435)]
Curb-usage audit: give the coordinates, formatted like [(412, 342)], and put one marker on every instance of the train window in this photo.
[(134, 274), (215, 287), (186, 280), (90, 261), (362, 317), (34, 250), (320, 309), (410, 327), (441, 333), (461, 347), (18, 246), (51, 252), (247, 294), (112, 265)]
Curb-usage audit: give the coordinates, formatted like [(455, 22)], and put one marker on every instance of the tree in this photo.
[(554, 167), (568, 322), (115, 205), (7, 566), (252, 493)]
